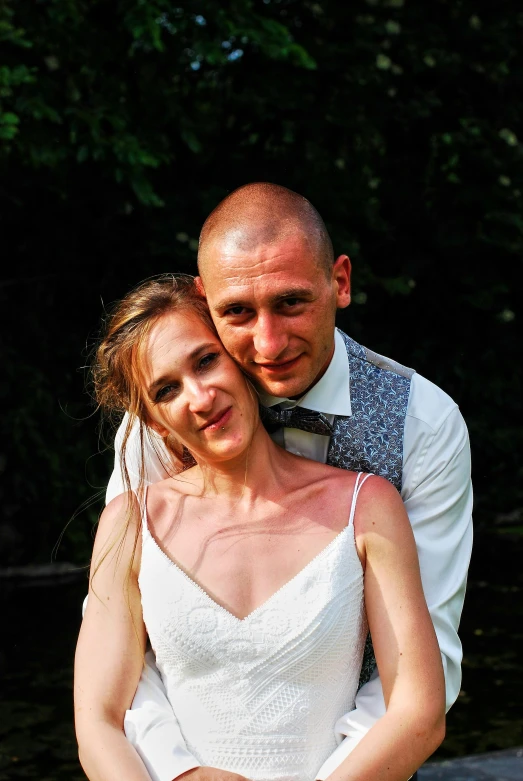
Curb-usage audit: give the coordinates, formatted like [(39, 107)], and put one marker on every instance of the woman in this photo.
[(246, 570)]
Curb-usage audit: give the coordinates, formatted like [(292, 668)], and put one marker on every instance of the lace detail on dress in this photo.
[(259, 696)]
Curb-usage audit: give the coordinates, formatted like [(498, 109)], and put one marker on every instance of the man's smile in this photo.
[(279, 366)]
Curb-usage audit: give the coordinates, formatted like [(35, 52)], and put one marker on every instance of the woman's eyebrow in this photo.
[(156, 384)]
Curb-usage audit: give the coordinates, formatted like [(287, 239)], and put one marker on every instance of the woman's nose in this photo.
[(200, 396)]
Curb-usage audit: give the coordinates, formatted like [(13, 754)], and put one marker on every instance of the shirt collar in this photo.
[(331, 394)]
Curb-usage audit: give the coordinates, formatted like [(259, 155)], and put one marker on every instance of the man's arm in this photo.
[(152, 728), (440, 511), (437, 493)]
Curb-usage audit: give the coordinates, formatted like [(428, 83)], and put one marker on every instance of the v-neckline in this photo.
[(269, 599)]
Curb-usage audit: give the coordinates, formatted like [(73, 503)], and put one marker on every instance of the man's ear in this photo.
[(341, 278), (199, 286)]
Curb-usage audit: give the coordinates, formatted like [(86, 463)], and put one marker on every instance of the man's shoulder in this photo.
[(381, 362), (427, 403), (388, 364)]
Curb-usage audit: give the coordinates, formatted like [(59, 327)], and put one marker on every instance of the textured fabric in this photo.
[(156, 737), (371, 439), (437, 492), (260, 696), (298, 417)]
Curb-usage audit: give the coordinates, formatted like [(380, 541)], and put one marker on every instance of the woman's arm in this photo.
[(405, 645), (110, 652)]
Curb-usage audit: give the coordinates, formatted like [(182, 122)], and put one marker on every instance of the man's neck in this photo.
[(318, 376)]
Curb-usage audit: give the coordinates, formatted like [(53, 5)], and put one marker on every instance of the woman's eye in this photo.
[(165, 392), (207, 360)]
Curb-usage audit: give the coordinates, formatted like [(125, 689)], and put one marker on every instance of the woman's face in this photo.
[(195, 391)]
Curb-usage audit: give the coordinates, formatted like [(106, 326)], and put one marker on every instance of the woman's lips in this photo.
[(218, 422)]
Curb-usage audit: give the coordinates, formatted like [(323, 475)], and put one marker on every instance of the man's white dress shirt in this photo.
[(437, 493)]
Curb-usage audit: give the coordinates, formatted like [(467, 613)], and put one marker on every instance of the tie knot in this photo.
[(296, 417)]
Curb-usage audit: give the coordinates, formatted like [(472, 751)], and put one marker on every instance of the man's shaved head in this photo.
[(272, 285), (260, 214)]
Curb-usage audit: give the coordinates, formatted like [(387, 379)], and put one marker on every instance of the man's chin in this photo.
[(292, 387), (288, 382)]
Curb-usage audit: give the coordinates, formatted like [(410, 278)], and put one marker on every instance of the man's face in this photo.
[(274, 308)]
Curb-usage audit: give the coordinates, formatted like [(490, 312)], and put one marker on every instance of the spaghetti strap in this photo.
[(357, 488)]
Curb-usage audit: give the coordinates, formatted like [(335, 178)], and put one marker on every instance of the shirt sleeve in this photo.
[(152, 728), (155, 459), (438, 500), (437, 492)]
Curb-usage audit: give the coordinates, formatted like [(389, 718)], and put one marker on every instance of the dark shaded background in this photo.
[(122, 124)]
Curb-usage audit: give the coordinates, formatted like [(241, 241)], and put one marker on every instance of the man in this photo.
[(272, 283)]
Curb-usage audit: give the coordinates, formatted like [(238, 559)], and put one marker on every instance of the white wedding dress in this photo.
[(260, 696)]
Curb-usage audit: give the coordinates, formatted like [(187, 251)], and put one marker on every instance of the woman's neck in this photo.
[(257, 471)]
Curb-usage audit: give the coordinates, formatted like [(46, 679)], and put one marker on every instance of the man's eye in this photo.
[(291, 301), (236, 310)]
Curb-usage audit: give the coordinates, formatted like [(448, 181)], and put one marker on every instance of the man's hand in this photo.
[(210, 774)]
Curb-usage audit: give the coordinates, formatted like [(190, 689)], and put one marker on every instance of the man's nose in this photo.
[(200, 395), (270, 339)]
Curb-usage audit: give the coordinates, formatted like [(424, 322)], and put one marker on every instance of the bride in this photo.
[(254, 573)]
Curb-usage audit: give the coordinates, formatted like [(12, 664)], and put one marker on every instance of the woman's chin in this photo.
[(227, 448)]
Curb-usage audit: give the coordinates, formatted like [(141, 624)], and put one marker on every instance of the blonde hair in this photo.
[(116, 374)]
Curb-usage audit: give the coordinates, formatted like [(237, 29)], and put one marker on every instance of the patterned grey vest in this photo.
[(371, 439)]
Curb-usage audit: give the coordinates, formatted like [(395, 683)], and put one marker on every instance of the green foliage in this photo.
[(88, 93), (123, 124)]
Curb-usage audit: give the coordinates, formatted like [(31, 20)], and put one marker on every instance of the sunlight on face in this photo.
[(274, 308), (194, 391)]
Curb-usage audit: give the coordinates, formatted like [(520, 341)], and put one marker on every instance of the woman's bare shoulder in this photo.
[(374, 490), (322, 476), (380, 508), (117, 531), (186, 483), (378, 488), (123, 507)]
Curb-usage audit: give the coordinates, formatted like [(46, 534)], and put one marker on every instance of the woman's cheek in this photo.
[(167, 417)]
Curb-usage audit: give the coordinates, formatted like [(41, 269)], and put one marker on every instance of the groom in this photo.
[(273, 285)]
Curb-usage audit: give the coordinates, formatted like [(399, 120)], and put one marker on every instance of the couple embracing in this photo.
[(277, 490)]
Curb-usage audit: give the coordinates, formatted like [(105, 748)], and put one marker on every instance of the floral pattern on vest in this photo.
[(371, 439)]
